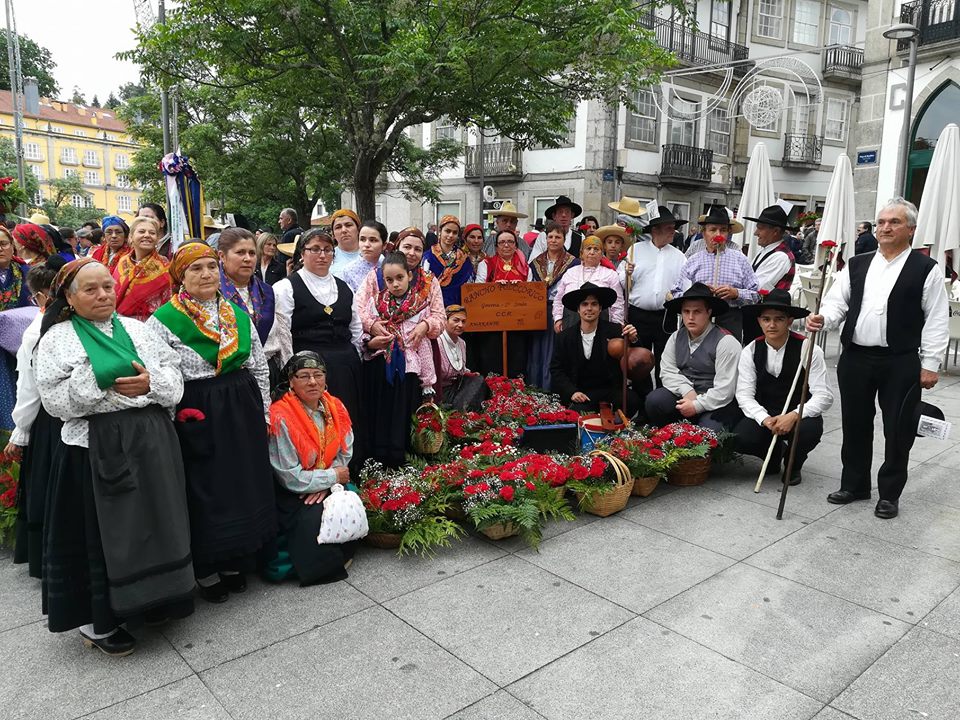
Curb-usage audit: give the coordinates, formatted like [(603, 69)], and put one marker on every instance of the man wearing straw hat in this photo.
[(770, 373), (505, 219), (563, 211)]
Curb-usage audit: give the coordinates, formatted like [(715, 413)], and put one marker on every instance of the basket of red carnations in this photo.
[(427, 432), (602, 483), (692, 446)]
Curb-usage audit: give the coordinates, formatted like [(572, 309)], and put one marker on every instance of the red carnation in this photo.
[(580, 472), (190, 415), (530, 486), (828, 244), (763, 293), (506, 492)]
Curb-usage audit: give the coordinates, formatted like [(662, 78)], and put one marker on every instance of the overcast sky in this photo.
[(83, 37)]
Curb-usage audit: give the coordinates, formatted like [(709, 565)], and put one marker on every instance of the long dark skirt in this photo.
[(491, 344), (229, 478), (467, 392), (388, 428), (300, 524), (39, 461)]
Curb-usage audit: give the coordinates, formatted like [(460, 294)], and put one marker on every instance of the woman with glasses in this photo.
[(221, 423), (114, 246), (311, 444)]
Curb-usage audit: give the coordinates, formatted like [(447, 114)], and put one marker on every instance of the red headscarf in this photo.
[(35, 239)]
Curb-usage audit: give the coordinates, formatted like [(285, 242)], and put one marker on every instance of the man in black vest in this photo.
[(563, 211), (768, 366), (894, 338)]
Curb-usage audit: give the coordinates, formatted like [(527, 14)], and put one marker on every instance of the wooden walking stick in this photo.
[(623, 360), (788, 470)]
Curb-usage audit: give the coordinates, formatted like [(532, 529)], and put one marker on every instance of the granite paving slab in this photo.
[(807, 500), (935, 484), (499, 706), (19, 595), (186, 699), (945, 618)]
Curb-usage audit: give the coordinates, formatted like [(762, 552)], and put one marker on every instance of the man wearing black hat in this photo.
[(654, 269), (699, 366), (774, 264), (582, 371), (563, 211), (894, 337), (766, 372)]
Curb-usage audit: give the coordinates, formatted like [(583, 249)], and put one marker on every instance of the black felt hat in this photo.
[(560, 202), (666, 218), (604, 295), (698, 291), (773, 215), (777, 300)]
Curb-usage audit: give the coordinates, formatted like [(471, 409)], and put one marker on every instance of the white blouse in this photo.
[(28, 396), (324, 290)]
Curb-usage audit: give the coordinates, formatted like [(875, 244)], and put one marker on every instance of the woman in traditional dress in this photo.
[(473, 247), (311, 443), (591, 270), (155, 211), (507, 264), (373, 240), (143, 283), (270, 268), (548, 267), (114, 245), (220, 421), (14, 293), (238, 283), (458, 387), (116, 531), (36, 436), (34, 245), (448, 262)]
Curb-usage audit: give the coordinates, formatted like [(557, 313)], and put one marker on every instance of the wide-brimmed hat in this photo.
[(776, 299), (209, 222), (665, 218), (508, 209), (719, 215), (39, 218), (698, 291), (773, 215), (605, 231), (604, 295), (559, 203), (628, 206)]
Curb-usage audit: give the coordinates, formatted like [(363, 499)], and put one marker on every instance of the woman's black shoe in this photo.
[(216, 593), (119, 644), (236, 583)]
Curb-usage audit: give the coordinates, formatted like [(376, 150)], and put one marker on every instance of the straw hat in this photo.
[(628, 206), (38, 218), (606, 231), (508, 209), (209, 222)]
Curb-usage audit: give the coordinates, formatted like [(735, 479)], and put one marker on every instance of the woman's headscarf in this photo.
[(59, 310), (111, 220), (407, 232), (449, 219), (470, 228), (34, 238), (185, 256), (305, 359), (589, 242), (345, 212)]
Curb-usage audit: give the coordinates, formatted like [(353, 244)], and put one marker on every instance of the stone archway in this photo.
[(939, 104)]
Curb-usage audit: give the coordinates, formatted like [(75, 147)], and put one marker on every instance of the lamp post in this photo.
[(911, 34)]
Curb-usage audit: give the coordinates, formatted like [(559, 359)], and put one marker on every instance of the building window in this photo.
[(77, 200), (806, 24), (448, 207), (37, 172), (110, 137), (69, 173), (801, 119), (841, 26), (642, 122), (91, 158), (123, 181), (31, 151), (541, 204), (774, 125), (443, 127), (91, 177), (718, 132), (770, 20), (38, 197), (835, 127), (685, 132), (79, 133), (57, 130), (122, 162), (567, 140), (68, 156), (123, 203), (378, 212), (720, 19)]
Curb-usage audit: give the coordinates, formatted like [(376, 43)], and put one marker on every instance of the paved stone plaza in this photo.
[(693, 603)]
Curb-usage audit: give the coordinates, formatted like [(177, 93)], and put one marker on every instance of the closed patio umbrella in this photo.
[(758, 193), (938, 224), (839, 220)]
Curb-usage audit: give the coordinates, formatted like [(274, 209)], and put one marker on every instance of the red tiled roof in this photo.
[(56, 111)]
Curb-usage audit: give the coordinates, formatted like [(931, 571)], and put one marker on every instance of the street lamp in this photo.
[(911, 34)]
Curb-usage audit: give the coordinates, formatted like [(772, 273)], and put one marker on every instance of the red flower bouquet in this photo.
[(9, 480), (11, 195), (190, 415)]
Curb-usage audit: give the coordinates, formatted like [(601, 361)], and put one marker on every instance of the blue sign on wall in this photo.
[(608, 175), (867, 157)]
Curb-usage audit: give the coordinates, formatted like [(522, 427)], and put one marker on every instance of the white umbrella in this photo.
[(839, 220), (939, 222), (757, 194)]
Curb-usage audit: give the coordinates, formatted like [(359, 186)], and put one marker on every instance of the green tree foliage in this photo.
[(367, 70), (35, 61), (59, 206), (78, 98), (112, 103), (8, 167)]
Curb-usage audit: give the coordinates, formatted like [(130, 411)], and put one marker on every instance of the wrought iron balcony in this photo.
[(802, 151), (938, 20), (499, 159), (693, 47), (842, 63), (686, 165)]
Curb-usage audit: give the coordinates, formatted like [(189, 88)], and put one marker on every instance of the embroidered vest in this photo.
[(786, 281)]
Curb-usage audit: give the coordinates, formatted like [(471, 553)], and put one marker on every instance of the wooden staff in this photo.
[(788, 470), (623, 360)]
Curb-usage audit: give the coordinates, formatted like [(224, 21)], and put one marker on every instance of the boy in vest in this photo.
[(766, 371), (896, 333), (698, 370)]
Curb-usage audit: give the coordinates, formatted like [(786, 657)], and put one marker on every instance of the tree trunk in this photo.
[(365, 185)]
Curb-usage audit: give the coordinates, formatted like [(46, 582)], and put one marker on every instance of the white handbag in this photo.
[(344, 518)]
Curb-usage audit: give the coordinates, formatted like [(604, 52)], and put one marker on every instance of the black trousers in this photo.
[(654, 328), (732, 321), (866, 375), (661, 409), (754, 439)]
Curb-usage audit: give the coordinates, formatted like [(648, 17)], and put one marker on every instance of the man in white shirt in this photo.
[(895, 334), (766, 372), (654, 268), (774, 264), (345, 226), (563, 211)]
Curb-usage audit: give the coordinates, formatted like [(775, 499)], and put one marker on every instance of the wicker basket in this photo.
[(500, 531), (615, 500), (691, 471), (387, 541), (420, 442), (644, 486)]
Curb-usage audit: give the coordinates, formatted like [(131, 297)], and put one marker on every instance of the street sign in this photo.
[(608, 175), (867, 157), (494, 205)]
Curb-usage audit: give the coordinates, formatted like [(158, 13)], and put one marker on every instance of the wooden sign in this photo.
[(505, 307)]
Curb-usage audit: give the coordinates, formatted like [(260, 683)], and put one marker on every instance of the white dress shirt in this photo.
[(821, 395), (655, 273), (587, 340), (725, 378), (540, 244), (871, 329), (773, 268), (323, 289)]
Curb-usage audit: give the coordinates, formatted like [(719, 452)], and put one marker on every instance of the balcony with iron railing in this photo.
[(802, 151), (499, 159), (693, 47), (686, 165), (938, 21), (842, 63)]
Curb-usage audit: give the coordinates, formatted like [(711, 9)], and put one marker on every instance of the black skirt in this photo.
[(466, 393), (40, 458), (392, 406), (229, 478), (300, 524)]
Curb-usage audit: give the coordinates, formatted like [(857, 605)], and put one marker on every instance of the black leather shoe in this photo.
[(216, 593), (235, 583), (156, 618), (886, 509), (119, 644), (797, 478), (842, 497)]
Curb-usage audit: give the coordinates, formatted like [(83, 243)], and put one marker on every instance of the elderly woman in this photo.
[(448, 262), (220, 421), (114, 246), (238, 283), (270, 267), (311, 443), (457, 386), (589, 270), (155, 211), (548, 267), (507, 264), (143, 283), (116, 531), (373, 240), (34, 244)]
